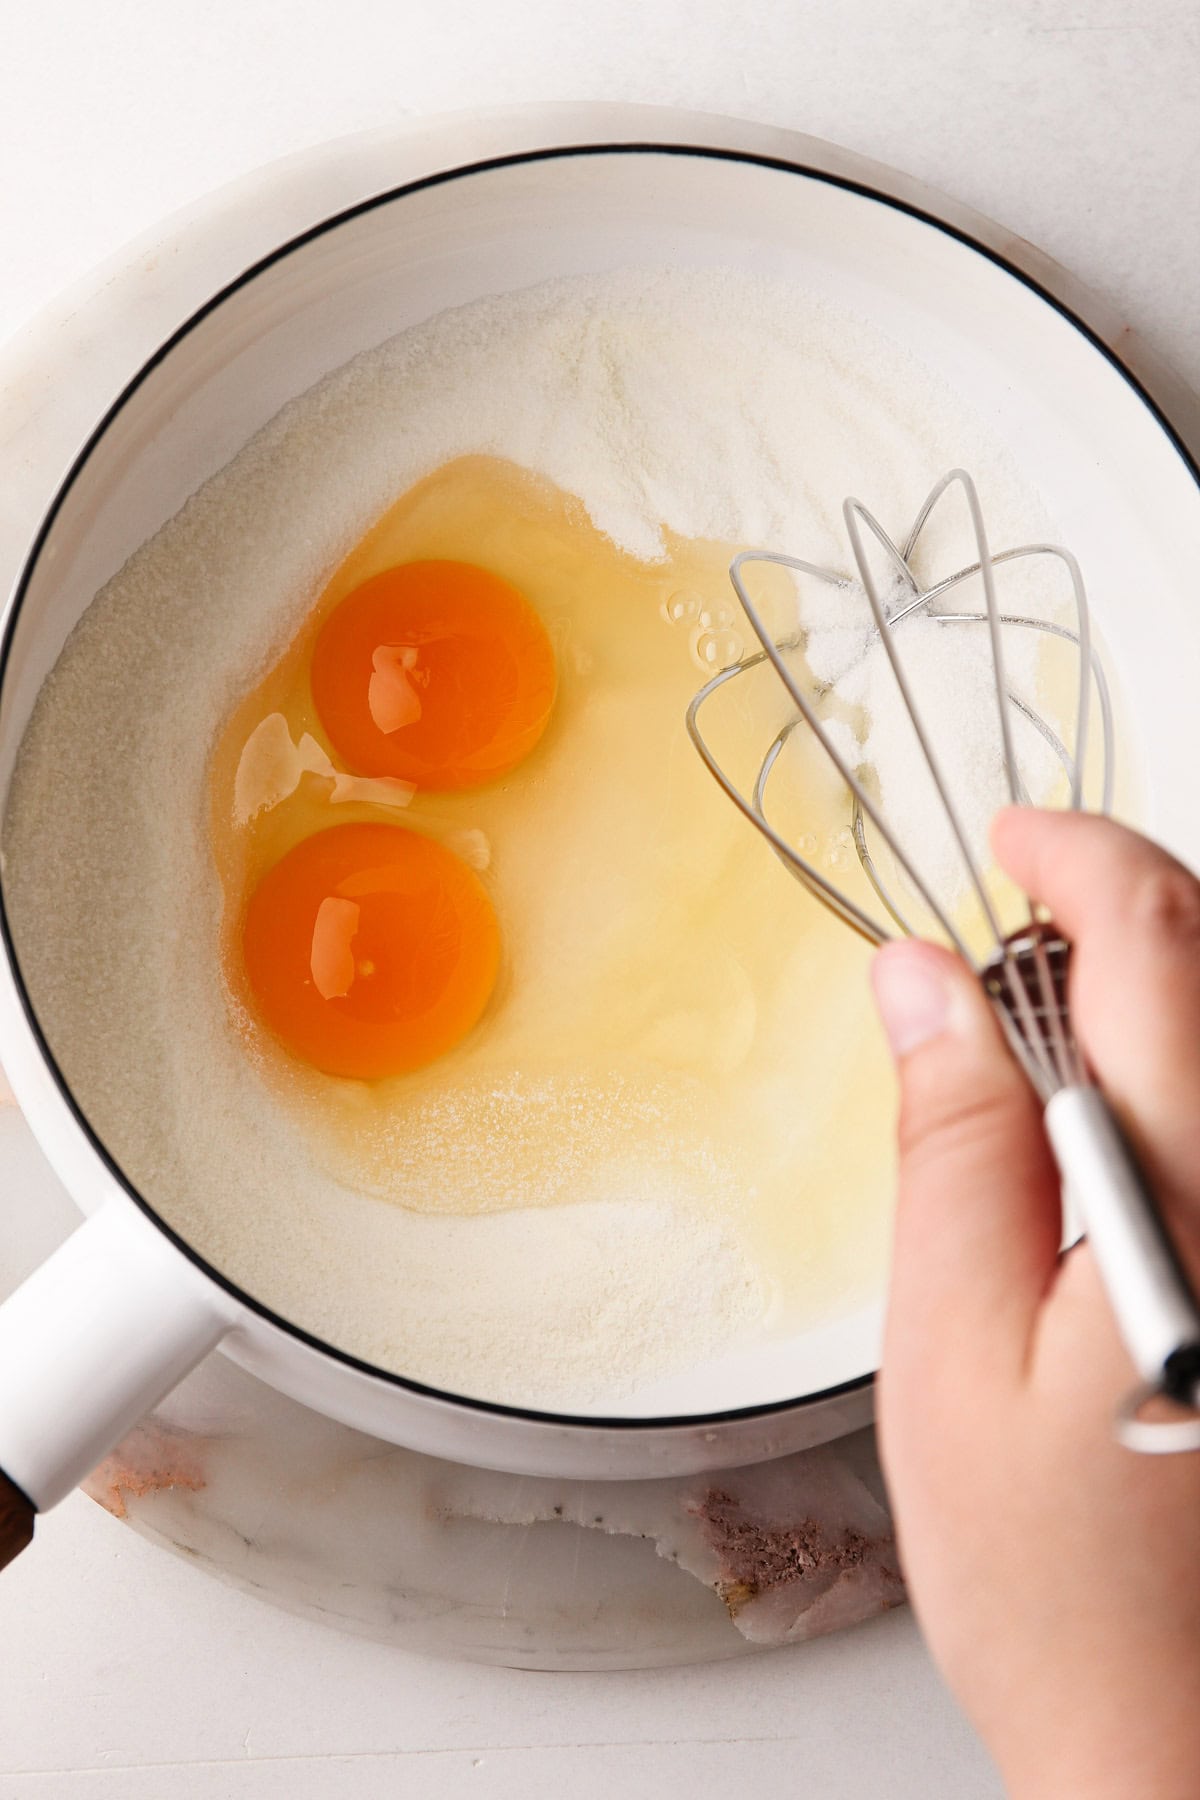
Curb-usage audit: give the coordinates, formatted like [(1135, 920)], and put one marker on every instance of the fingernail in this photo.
[(912, 995)]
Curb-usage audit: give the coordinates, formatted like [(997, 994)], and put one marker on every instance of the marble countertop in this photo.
[(1075, 124)]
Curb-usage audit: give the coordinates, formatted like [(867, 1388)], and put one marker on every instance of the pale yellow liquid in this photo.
[(675, 1017)]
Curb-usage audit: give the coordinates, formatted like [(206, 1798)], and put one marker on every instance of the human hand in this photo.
[(1056, 1574)]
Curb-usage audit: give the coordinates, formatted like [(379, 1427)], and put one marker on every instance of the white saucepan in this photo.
[(345, 253)]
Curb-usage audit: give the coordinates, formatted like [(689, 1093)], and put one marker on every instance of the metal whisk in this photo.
[(1024, 972)]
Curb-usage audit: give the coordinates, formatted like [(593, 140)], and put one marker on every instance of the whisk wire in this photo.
[(991, 604), (1084, 621), (1033, 1050), (853, 511), (1066, 1063)]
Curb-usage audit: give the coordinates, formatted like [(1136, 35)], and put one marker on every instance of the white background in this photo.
[(1074, 122)]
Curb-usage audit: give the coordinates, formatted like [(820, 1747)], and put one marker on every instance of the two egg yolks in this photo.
[(370, 949)]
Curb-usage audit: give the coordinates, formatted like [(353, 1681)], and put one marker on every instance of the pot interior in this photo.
[(1122, 494)]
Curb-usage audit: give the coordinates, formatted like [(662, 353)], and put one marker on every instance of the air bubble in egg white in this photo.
[(717, 649), (681, 608)]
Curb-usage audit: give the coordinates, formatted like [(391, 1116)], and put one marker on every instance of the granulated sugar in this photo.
[(700, 405)]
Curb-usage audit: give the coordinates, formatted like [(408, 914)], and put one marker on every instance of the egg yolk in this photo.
[(436, 672), (370, 950)]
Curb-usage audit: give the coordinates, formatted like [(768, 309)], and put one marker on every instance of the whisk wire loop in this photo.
[(841, 905), (1091, 669), (1089, 666), (803, 705)]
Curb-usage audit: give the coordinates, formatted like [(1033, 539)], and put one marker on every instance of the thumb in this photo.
[(978, 1219)]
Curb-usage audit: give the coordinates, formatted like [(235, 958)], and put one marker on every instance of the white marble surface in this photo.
[(125, 1673), (1074, 122)]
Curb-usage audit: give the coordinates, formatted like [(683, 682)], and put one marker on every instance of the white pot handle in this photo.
[(93, 1339)]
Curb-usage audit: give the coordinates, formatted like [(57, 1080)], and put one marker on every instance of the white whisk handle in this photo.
[(1155, 1308)]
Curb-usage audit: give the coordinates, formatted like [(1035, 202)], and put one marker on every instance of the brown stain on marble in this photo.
[(147, 1461), (757, 1556)]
